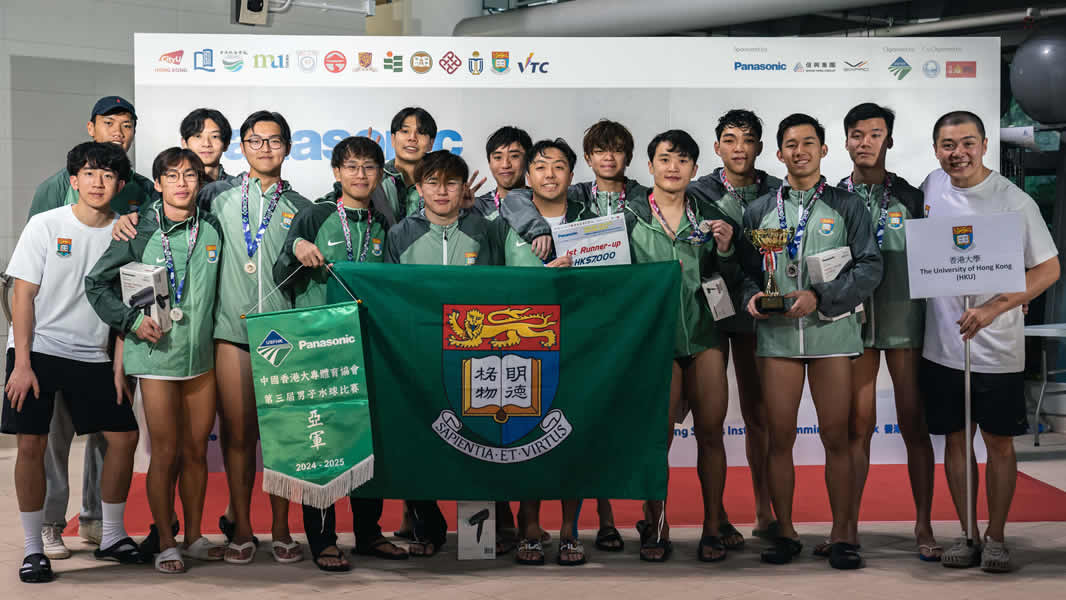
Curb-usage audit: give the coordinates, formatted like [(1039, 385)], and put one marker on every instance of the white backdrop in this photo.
[(331, 87)]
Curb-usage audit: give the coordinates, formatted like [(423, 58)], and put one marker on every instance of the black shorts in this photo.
[(997, 400), (88, 390)]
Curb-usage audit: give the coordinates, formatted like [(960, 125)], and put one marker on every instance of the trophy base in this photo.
[(773, 304)]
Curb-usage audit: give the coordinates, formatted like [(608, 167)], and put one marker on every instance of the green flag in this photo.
[(496, 383), (311, 396)]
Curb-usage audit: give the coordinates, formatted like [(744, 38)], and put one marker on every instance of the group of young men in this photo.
[(228, 240)]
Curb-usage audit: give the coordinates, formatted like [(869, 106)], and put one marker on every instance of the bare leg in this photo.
[(782, 400), (655, 510), (240, 427), (955, 468), (861, 430), (198, 416), (708, 397), (1000, 478), (910, 413), (756, 436), (163, 412), (830, 381), (29, 472)]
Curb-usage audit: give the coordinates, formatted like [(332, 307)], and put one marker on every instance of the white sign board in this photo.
[(965, 255), (595, 242)]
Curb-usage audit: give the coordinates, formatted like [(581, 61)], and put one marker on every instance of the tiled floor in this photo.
[(892, 571)]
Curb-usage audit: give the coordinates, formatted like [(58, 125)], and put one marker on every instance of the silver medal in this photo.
[(176, 314), (792, 270), (249, 267)]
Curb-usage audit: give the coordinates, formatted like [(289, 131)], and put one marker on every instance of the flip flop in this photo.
[(605, 536), (727, 530), (714, 543), (288, 547), (124, 551), (341, 568), (931, 549), (375, 551), (171, 554), (239, 550), (36, 568), (229, 529), (201, 550)]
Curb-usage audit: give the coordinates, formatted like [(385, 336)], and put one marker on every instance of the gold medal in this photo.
[(249, 267)]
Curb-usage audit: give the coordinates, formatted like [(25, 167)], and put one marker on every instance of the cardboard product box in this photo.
[(825, 266), (477, 530), (718, 298), (145, 287)]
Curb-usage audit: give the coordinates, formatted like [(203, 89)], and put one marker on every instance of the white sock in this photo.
[(114, 530), (32, 522)]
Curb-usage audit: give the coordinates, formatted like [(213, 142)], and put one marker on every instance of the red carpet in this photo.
[(887, 498)]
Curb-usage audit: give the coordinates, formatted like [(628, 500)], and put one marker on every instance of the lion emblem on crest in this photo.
[(512, 323)]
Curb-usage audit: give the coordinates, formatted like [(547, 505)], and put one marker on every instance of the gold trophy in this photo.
[(770, 242)]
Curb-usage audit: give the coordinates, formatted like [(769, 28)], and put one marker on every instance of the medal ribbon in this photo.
[(695, 238), (496, 198), (168, 255), (793, 246), (732, 191), (621, 204), (343, 215), (883, 217), (253, 244)]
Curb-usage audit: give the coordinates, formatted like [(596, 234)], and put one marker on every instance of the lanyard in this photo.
[(793, 246), (883, 217), (253, 244), (168, 256), (343, 215), (695, 238), (732, 191), (621, 204)]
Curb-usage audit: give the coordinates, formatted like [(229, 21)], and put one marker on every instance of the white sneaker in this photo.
[(54, 547), (91, 531)]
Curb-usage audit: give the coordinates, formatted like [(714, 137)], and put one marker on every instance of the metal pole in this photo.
[(970, 516)]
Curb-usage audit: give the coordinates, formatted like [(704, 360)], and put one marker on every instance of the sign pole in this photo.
[(970, 516)]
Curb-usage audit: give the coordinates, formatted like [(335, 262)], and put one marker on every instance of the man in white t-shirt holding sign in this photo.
[(59, 345), (994, 326)]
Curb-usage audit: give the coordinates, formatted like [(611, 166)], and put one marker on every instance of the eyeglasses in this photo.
[(359, 169), (174, 176), (256, 143), (451, 185)]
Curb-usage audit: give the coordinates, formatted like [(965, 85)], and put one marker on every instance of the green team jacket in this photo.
[(696, 330), (837, 219), (522, 214), (518, 210), (605, 203), (56, 191), (893, 320), (517, 250), (238, 291), (187, 349), (470, 240), (709, 188), (401, 199), (320, 225)]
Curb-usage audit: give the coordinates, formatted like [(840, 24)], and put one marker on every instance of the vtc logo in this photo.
[(532, 66)]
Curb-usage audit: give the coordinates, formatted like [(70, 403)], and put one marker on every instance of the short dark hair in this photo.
[(96, 155), (266, 116), (869, 110), (172, 157), (795, 120), (958, 117), (193, 123), (505, 136), (559, 144), (679, 141), (357, 147), (741, 119), (608, 135), (443, 162), (426, 124)]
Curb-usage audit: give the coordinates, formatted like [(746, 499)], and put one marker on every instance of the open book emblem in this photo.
[(501, 368)]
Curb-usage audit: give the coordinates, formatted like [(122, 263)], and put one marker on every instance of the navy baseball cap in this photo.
[(112, 104)]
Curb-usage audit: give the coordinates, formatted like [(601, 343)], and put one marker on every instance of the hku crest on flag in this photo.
[(311, 397), (506, 383)]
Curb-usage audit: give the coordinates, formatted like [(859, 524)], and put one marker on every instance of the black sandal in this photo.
[(843, 555), (339, 555), (606, 537), (714, 543), (124, 551), (374, 549), (644, 529), (36, 568), (782, 552), (727, 530), (571, 546), (530, 545), (150, 544)]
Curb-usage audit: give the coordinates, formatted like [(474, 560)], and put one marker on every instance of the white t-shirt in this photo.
[(1000, 347), (555, 221), (56, 251)]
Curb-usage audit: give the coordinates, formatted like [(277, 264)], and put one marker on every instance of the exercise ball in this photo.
[(1038, 76)]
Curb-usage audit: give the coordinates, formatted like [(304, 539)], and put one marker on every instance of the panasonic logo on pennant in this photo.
[(743, 66), (348, 339)]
